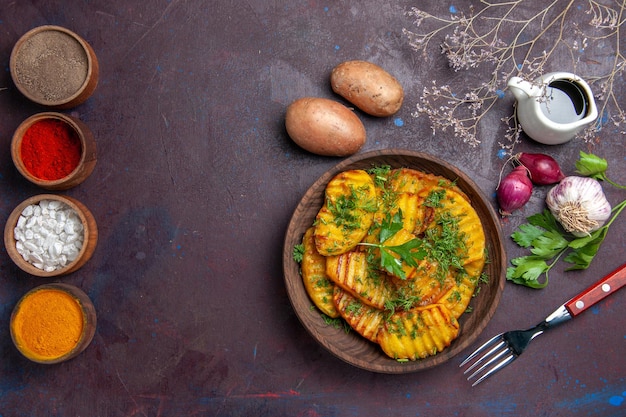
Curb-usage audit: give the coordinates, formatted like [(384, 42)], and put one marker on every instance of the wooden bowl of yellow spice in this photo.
[(53, 323)]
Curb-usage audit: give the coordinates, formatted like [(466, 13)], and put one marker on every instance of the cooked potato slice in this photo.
[(347, 213), (405, 180), (418, 333), (424, 283), (365, 320), (458, 297), (460, 294), (415, 215), (317, 285), (468, 222), (352, 272), (474, 269)]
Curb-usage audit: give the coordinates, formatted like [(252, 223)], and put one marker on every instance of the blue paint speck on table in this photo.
[(617, 400)]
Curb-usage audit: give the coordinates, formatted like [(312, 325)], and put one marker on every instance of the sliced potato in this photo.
[(415, 215), (352, 272), (365, 320), (469, 224), (418, 333), (424, 283), (458, 297), (347, 213), (317, 285), (405, 180)]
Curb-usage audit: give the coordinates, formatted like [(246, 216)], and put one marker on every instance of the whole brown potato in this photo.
[(324, 127), (368, 87)]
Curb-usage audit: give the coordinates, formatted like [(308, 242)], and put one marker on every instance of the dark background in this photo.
[(195, 183)]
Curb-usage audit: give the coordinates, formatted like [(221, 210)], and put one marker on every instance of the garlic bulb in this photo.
[(579, 204)]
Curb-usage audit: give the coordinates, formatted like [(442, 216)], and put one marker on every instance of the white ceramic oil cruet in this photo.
[(553, 108)]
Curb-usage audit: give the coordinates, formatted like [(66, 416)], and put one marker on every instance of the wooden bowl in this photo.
[(351, 347), (54, 67), (90, 236), (88, 157), (39, 325)]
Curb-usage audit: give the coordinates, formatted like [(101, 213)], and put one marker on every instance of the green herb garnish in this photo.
[(343, 211), (401, 302), (380, 174), (337, 323), (392, 258), (434, 198), (446, 245), (298, 252)]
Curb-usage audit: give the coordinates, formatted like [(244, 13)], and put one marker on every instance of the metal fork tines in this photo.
[(498, 352), (504, 348)]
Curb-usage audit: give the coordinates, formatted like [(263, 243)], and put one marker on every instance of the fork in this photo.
[(504, 348)]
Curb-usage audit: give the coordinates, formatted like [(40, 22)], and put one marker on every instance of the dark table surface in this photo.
[(195, 184)]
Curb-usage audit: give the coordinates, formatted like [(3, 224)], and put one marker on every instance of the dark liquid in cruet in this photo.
[(565, 102)]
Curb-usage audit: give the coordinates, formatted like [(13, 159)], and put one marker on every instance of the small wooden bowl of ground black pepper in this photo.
[(53, 323), (54, 67), (54, 151)]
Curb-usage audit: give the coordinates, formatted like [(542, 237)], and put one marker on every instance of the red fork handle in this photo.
[(597, 292)]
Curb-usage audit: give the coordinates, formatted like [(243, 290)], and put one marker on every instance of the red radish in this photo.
[(514, 190), (543, 169)]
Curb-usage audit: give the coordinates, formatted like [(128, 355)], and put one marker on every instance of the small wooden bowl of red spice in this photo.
[(54, 151), (53, 323), (54, 67), (50, 235)]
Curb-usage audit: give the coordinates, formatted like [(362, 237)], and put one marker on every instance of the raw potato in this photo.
[(324, 127), (367, 86)]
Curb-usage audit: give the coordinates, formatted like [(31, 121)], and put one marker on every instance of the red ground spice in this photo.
[(51, 149)]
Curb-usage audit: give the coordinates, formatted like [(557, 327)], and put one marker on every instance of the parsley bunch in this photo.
[(548, 241)]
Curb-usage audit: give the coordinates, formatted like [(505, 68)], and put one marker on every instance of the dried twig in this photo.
[(500, 41)]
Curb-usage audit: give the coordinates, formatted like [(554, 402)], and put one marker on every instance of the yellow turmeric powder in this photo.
[(47, 324)]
